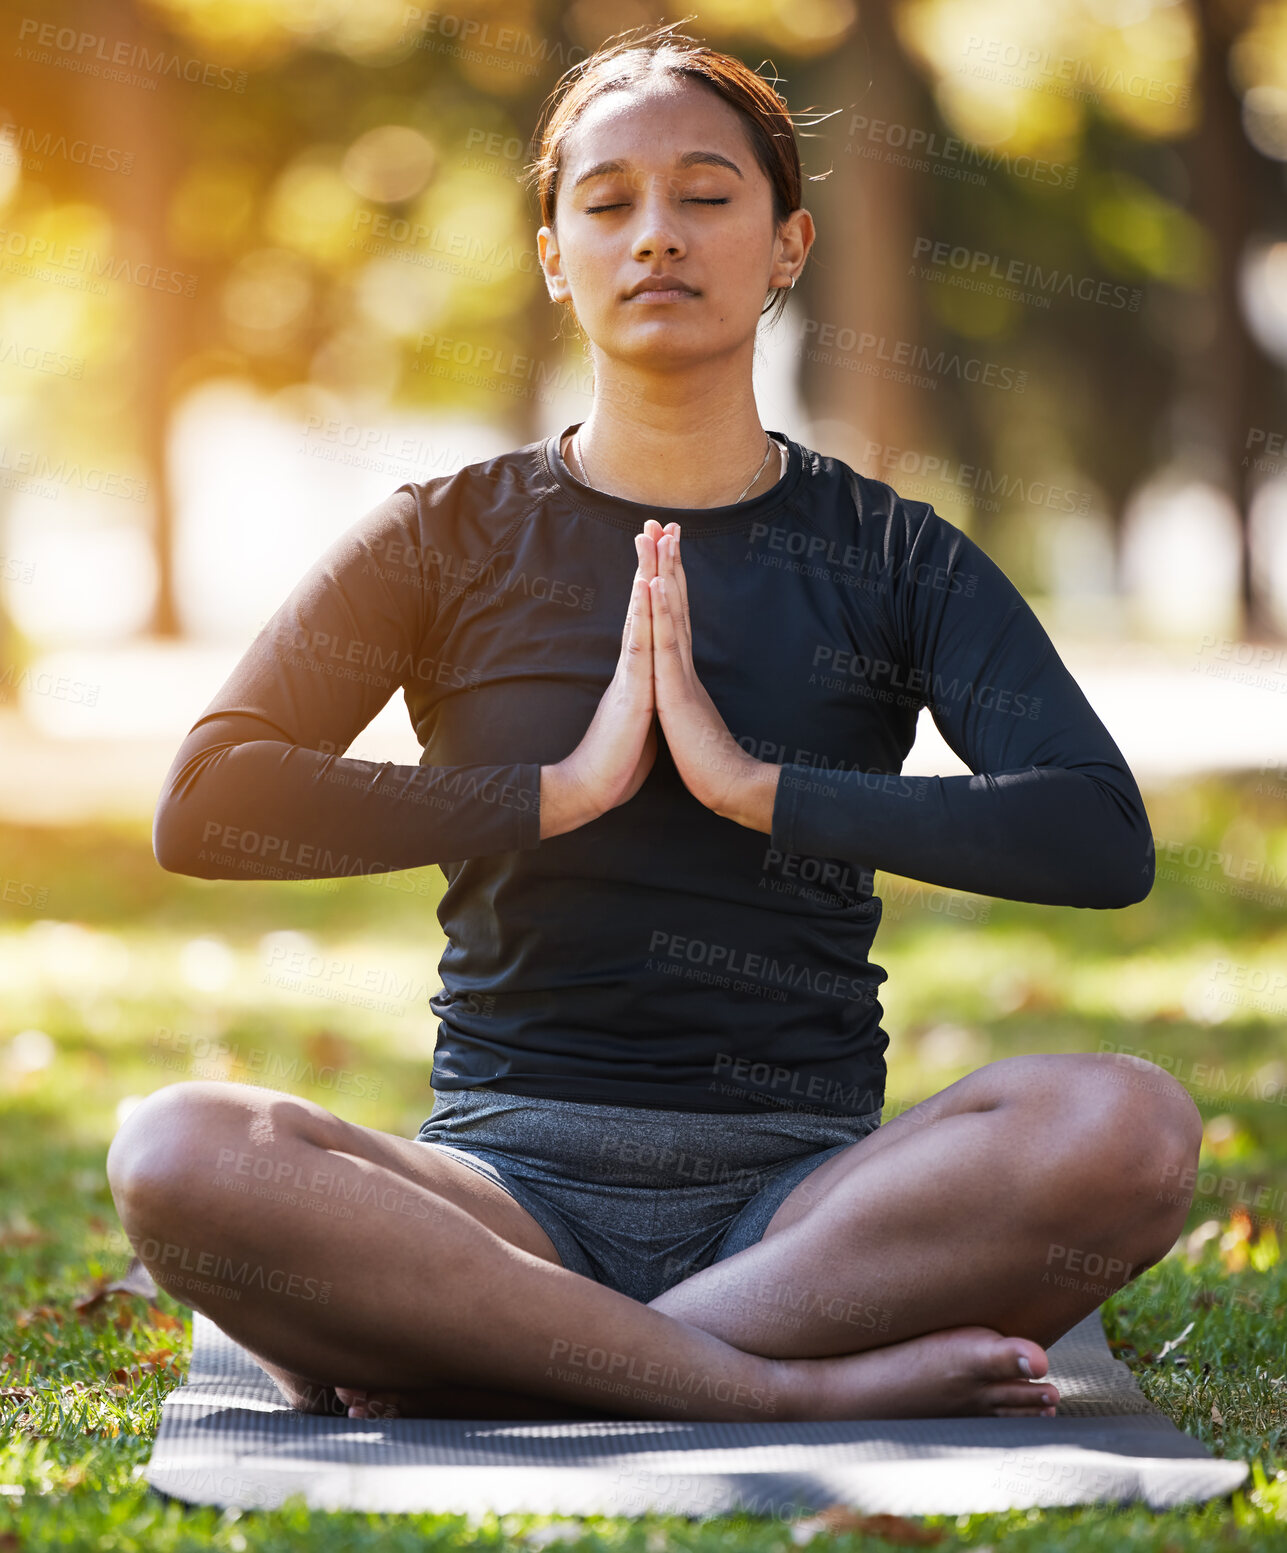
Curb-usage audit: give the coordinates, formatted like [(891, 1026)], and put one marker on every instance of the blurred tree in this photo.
[(272, 198), (1226, 385)]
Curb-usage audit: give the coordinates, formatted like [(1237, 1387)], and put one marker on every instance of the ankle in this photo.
[(793, 1390)]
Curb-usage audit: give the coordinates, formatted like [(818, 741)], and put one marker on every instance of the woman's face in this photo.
[(708, 223)]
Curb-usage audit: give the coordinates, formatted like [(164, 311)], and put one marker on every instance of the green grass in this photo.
[(139, 978)]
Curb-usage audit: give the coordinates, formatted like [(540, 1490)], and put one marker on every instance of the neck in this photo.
[(675, 455)]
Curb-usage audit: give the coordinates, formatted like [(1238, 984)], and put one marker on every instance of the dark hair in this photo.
[(625, 60)]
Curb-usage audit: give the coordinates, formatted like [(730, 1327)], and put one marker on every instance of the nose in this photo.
[(656, 233)]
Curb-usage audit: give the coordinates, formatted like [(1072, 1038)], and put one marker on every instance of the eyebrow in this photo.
[(689, 159)]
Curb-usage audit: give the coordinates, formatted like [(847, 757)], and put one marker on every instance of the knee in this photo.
[(184, 1135), (1138, 1135)]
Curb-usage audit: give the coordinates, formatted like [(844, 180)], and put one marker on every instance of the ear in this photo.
[(547, 248), (794, 240)]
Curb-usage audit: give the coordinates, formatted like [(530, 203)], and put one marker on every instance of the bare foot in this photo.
[(308, 1396), (305, 1396), (960, 1370), (456, 1402)]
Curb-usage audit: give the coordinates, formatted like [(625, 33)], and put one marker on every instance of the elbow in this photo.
[(1131, 880), (169, 847)]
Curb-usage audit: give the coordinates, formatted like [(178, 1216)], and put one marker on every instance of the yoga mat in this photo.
[(228, 1438)]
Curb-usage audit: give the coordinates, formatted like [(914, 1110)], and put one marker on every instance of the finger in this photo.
[(676, 592), (643, 616), (637, 646), (682, 575), (667, 651), (646, 550)]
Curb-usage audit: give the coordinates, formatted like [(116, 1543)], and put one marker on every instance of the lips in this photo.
[(666, 284)]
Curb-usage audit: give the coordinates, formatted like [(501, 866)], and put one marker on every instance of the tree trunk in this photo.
[(1227, 380)]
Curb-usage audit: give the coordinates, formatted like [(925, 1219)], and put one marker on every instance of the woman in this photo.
[(665, 667)]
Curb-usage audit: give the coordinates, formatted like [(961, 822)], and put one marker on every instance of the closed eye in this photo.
[(593, 210)]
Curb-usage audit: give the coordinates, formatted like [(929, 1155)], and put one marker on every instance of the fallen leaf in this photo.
[(24, 1318), (136, 1281), (18, 1230), (158, 1359), (1217, 1417), (157, 1317), (892, 1528)]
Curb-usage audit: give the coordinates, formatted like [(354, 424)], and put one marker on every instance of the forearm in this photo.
[(1049, 835), (264, 809), (563, 803), (753, 796)]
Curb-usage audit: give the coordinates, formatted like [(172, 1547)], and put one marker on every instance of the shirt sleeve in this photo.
[(260, 787), (1052, 813)]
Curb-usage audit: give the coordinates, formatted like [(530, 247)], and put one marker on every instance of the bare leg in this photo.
[(972, 1209), (411, 1289)]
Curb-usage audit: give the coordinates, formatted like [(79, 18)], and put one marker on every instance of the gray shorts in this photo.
[(636, 1198)]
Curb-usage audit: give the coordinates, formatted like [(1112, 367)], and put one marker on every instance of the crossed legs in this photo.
[(914, 1273), (1015, 1200)]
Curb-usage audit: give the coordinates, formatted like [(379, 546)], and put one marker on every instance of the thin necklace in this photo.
[(580, 458)]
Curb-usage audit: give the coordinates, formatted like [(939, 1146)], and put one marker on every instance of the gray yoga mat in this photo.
[(228, 1438)]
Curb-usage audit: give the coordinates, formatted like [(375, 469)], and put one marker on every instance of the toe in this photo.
[(1024, 1396), (1017, 1356)]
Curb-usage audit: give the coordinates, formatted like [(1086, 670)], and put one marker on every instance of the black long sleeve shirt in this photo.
[(659, 955)]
